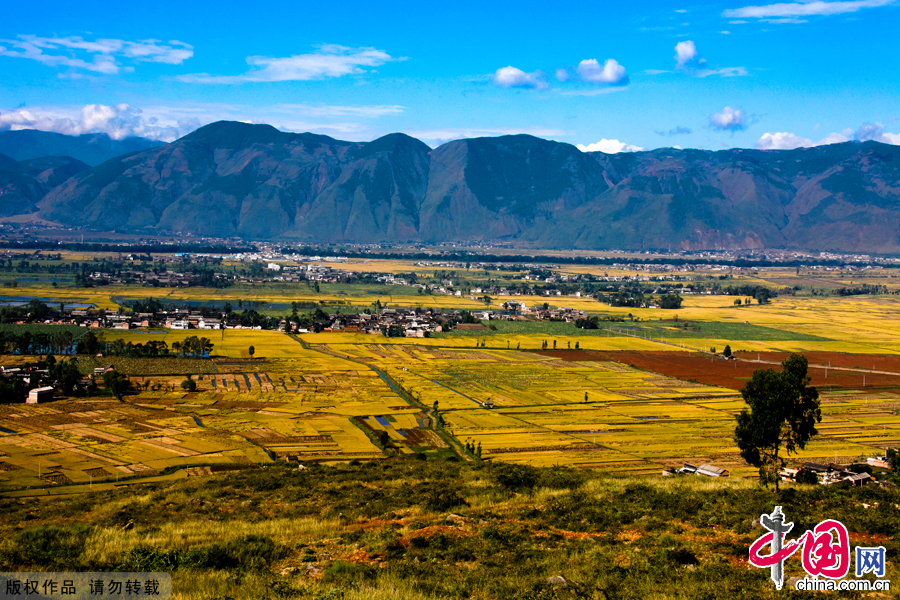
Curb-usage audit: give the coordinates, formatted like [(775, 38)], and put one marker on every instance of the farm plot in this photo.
[(311, 406), (599, 412), (558, 412), (734, 374), (607, 341), (227, 343)]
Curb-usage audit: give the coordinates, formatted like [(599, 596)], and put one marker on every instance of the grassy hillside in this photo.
[(430, 529)]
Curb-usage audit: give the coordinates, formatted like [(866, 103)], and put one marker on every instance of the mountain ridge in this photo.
[(254, 181), (89, 148)]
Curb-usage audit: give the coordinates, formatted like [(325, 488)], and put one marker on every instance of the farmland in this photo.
[(639, 394), (333, 400), (310, 406), (591, 409)]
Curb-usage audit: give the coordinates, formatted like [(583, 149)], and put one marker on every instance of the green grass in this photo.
[(722, 330), (381, 530), (147, 366), (34, 328), (654, 329)]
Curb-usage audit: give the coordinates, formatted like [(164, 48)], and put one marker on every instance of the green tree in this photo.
[(384, 438), (11, 393), (62, 342), (66, 374), (189, 385), (117, 383), (251, 351), (727, 351), (807, 476), (783, 412), (670, 301), (90, 343)]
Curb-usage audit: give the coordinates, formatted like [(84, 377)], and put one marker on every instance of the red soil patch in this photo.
[(430, 532), (875, 362), (733, 374)]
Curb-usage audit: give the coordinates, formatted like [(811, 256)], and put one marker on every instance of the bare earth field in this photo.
[(734, 373)]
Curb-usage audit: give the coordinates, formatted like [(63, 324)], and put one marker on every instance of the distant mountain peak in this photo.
[(90, 148), (235, 134)]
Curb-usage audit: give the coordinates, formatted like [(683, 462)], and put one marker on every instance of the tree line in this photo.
[(470, 257), (194, 347)]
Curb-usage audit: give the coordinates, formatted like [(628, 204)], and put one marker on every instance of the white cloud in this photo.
[(167, 123), (513, 77), (609, 147), (875, 132), (782, 140), (98, 56), (562, 75), (611, 71), (151, 51), (118, 121), (685, 52), (728, 119), (789, 141), (792, 10), (330, 61), (688, 60), (835, 138)]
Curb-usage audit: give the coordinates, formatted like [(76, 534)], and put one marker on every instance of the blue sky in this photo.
[(610, 76)]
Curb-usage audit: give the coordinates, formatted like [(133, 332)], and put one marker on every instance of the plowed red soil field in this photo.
[(735, 373)]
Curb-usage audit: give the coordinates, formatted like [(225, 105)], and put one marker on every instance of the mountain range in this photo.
[(24, 183), (256, 182), (89, 148)]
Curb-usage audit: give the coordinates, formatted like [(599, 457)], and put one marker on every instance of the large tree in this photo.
[(783, 412), (117, 383)]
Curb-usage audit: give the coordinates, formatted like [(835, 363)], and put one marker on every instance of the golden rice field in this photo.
[(301, 407), (330, 402), (548, 411)]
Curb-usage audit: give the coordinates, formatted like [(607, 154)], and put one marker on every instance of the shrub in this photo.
[(148, 559), (516, 477), (51, 546), (441, 498), (561, 477), (248, 552), (344, 572), (807, 476)]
